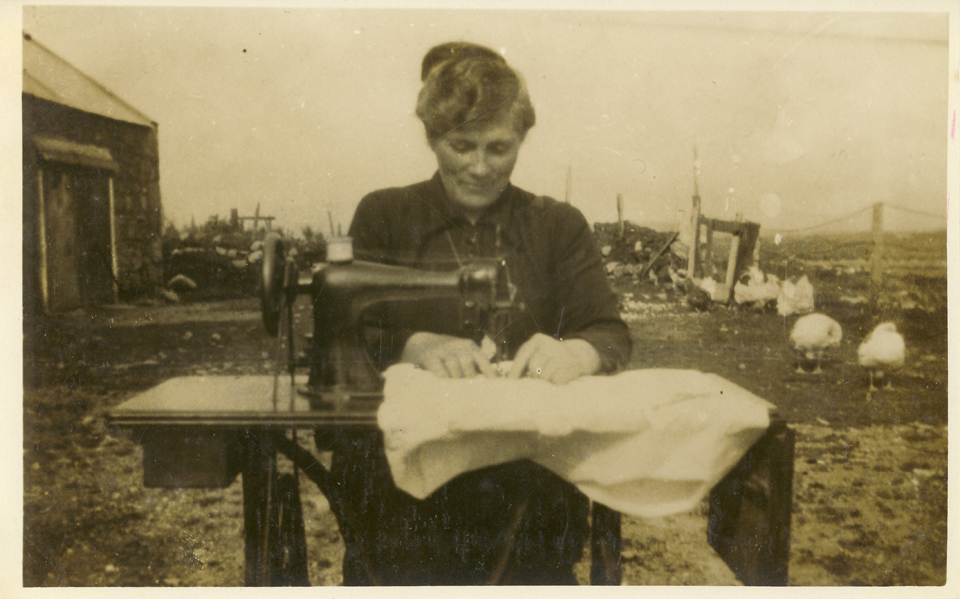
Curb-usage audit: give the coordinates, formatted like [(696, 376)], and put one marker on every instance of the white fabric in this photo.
[(643, 442)]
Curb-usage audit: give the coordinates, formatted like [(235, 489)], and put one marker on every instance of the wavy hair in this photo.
[(466, 85)]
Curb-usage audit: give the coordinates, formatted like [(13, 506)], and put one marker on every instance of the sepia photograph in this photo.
[(443, 295)]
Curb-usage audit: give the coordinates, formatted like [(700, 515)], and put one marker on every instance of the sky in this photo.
[(796, 118)]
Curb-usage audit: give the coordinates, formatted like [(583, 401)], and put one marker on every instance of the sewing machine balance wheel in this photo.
[(272, 266)]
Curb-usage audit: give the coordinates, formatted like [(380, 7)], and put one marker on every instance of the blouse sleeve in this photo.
[(371, 238), (589, 307)]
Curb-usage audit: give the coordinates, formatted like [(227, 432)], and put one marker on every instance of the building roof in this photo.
[(47, 76)]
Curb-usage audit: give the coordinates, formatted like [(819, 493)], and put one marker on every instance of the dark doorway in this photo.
[(95, 275), (77, 215), (60, 232)]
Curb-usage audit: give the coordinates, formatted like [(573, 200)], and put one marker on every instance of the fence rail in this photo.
[(877, 263)]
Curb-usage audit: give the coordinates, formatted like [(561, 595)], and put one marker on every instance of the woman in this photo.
[(515, 523)]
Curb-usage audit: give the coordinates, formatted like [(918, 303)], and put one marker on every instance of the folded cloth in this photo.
[(644, 442)]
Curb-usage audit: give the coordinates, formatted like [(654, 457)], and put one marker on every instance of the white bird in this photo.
[(811, 335), (756, 288), (755, 274), (795, 298), (786, 299), (805, 296), (883, 348)]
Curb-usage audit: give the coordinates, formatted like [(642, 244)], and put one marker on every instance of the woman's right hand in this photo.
[(447, 356)]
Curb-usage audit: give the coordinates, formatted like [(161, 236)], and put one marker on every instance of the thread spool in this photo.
[(340, 249)]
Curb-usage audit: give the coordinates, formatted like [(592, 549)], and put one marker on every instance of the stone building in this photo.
[(92, 218)]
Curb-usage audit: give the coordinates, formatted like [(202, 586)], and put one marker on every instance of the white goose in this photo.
[(811, 335), (882, 349)]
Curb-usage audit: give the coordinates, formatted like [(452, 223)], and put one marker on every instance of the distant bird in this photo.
[(753, 274), (882, 349), (804, 297), (795, 298), (811, 335), (708, 285), (756, 288), (786, 299), (699, 297)]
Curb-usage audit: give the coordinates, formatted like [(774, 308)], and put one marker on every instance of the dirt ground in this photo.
[(870, 487)]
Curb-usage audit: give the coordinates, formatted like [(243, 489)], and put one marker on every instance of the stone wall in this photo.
[(138, 211)]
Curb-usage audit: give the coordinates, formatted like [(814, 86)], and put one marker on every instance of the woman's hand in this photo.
[(556, 361), (447, 356)]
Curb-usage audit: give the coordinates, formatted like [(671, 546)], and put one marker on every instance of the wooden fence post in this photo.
[(695, 228), (705, 257), (728, 280), (695, 220), (876, 259), (620, 214)]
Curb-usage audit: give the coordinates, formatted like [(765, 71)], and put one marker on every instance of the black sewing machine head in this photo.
[(352, 298)]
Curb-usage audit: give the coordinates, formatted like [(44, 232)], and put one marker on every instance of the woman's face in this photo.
[(475, 164)]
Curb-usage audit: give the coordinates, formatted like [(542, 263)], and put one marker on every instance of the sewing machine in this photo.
[(203, 431), (344, 292)]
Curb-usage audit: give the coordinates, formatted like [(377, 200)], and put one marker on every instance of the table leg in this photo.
[(749, 521), (257, 464), (605, 546)]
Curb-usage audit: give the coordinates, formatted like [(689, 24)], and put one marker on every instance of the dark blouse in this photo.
[(515, 523), (550, 253)]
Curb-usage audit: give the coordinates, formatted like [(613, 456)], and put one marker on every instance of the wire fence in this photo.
[(828, 223), (846, 218), (920, 212), (894, 239)]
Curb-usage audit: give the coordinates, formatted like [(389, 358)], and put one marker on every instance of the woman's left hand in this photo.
[(556, 361)]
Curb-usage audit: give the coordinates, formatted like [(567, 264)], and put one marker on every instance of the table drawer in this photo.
[(190, 456)]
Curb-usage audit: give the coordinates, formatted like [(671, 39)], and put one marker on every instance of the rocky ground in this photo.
[(870, 486)]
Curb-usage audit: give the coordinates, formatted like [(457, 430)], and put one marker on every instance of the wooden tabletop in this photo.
[(241, 401)]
